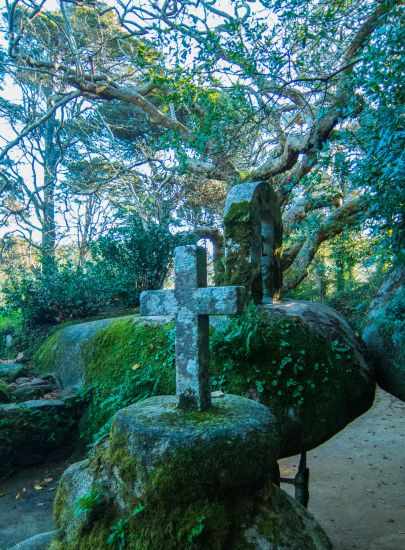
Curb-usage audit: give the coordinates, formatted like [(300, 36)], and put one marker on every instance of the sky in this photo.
[(11, 92)]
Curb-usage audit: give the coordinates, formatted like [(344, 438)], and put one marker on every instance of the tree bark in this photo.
[(51, 159)]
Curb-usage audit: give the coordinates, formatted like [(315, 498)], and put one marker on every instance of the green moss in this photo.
[(118, 456), (60, 501), (195, 499), (125, 362), (197, 417), (45, 358), (238, 236), (287, 365), (279, 360)]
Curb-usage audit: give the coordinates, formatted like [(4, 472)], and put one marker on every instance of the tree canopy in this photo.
[(160, 106)]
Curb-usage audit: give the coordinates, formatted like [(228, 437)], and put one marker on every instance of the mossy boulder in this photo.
[(62, 353), (330, 386), (384, 333), (192, 480), (300, 358), (253, 239), (32, 429)]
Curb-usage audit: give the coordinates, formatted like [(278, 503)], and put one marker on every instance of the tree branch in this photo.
[(30, 127), (349, 213)]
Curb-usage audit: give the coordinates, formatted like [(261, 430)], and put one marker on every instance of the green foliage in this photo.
[(89, 502), (118, 534), (118, 537), (5, 394), (128, 259), (126, 362), (390, 323), (67, 292), (374, 150), (281, 361), (11, 325), (133, 257)]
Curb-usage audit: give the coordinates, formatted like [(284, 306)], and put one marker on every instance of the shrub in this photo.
[(128, 259), (11, 326), (68, 292)]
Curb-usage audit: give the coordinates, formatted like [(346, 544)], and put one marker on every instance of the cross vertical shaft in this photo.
[(192, 383)]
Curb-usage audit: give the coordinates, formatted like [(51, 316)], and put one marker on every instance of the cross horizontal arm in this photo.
[(158, 302), (225, 300)]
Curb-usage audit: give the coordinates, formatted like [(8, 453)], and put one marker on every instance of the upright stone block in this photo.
[(175, 479), (253, 239)]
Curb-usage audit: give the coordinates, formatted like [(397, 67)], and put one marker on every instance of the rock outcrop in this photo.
[(384, 333), (63, 352), (304, 362), (343, 392), (171, 479)]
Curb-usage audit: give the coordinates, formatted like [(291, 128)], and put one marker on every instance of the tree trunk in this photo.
[(51, 159)]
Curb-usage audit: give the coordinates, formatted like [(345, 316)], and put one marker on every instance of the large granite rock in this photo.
[(172, 479), (63, 352), (384, 333), (336, 383), (343, 394), (303, 360)]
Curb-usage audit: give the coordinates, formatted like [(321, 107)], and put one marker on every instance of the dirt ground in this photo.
[(357, 485), (358, 480), (26, 502)]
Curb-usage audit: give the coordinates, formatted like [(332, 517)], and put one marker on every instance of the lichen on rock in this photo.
[(171, 479), (253, 236)]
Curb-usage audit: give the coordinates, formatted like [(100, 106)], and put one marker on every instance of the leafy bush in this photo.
[(127, 260), (132, 258), (69, 292), (278, 360), (11, 326)]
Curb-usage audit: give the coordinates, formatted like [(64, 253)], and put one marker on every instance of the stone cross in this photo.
[(192, 302)]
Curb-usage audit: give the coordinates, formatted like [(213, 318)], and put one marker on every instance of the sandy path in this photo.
[(358, 480), (357, 485), (26, 502)]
